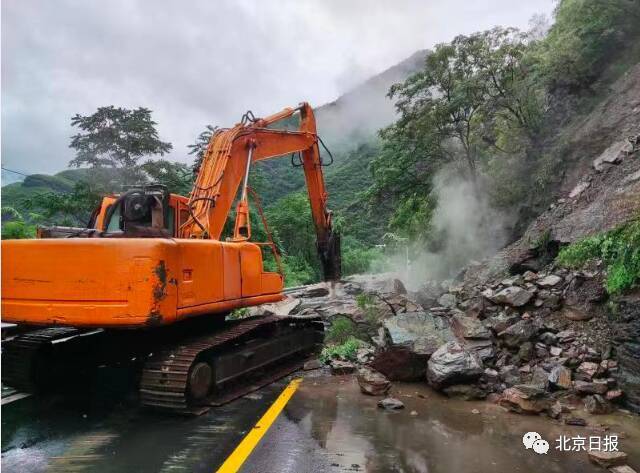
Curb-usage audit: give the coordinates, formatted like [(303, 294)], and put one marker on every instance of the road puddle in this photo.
[(435, 434)]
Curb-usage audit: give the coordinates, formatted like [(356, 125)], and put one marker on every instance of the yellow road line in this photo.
[(249, 442)]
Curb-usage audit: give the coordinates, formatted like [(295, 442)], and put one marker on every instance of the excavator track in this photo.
[(213, 369), (24, 357)]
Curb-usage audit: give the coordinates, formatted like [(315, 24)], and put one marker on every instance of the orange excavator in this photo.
[(152, 280)]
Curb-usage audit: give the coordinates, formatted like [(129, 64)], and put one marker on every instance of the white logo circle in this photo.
[(529, 438)]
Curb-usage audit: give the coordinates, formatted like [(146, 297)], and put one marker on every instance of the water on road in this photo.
[(328, 426)]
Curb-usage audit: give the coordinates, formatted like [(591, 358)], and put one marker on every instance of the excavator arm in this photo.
[(225, 169)]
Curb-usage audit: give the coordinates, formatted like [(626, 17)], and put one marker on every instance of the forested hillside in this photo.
[(444, 158)]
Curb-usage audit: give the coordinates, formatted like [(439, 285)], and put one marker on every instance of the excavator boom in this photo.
[(225, 167)]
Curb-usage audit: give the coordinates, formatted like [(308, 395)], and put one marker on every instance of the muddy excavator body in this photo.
[(149, 259)]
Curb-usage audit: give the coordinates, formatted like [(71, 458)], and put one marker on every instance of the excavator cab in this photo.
[(141, 211)]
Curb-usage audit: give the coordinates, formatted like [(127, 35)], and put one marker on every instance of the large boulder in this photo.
[(410, 339), (452, 364), (514, 296)]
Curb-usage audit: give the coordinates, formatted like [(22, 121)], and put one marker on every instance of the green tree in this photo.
[(66, 208), (177, 177), (199, 147), (585, 37), (293, 230), (10, 214), (117, 138)]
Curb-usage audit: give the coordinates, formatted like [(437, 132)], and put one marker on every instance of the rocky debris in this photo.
[(506, 339), (596, 404), (587, 370), (283, 308), (607, 459), (612, 155), (341, 367), (514, 296), (518, 333), (576, 421), (583, 291), (365, 354), (560, 377), (310, 291), (614, 395), (373, 383), (312, 365), (549, 281), (519, 400), (622, 469), (447, 300), (452, 364), (626, 336), (468, 392), (469, 328), (585, 387), (391, 404), (579, 189)]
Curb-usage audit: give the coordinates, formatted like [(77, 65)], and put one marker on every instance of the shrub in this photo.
[(619, 250), (346, 351), (340, 331), (17, 230)]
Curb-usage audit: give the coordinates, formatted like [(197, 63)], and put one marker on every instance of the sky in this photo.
[(197, 62)]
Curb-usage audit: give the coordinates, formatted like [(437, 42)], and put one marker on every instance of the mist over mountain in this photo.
[(358, 114)]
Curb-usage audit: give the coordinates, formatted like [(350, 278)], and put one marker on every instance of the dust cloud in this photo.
[(467, 228)]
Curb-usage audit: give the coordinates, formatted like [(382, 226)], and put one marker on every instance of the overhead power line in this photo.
[(15, 172)]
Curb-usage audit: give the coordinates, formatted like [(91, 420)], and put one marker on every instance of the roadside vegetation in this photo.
[(346, 351), (619, 251)]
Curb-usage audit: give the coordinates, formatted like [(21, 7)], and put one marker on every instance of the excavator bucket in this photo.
[(330, 257)]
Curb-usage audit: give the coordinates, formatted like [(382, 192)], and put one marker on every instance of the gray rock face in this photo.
[(373, 383), (518, 333), (410, 339), (411, 327), (612, 155), (513, 295), (627, 336), (453, 364)]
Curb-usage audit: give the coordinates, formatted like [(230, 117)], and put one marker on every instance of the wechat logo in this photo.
[(533, 440)]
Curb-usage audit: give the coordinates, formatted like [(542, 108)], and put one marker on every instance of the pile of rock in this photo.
[(524, 341)]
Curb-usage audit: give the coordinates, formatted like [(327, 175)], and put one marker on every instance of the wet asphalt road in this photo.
[(328, 426)]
